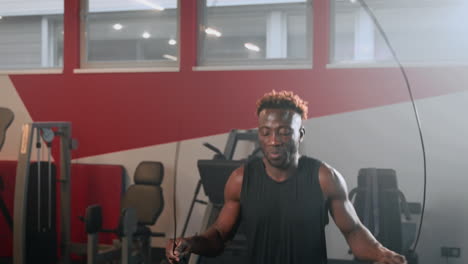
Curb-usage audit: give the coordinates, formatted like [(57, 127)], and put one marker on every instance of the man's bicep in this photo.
[(335, 190), (230, 213), (228, 219), (344, 215)]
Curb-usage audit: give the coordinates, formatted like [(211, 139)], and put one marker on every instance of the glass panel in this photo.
[(419, 31), (132, 31), (234, 32), (31, 34)]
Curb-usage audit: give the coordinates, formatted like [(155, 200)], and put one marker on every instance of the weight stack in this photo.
[(41, 223)]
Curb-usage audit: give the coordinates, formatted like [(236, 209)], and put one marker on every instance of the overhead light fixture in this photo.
[(117, 26), (149, 4), (146, 35), (213, 32), (353, 1), (1, 17), (252, 47), (172, 42), (170, 57)]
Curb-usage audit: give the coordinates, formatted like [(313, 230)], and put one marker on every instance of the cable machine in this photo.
[(42, 132)]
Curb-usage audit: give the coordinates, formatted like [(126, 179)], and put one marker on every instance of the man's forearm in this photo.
[(364, 245), (208, 244)]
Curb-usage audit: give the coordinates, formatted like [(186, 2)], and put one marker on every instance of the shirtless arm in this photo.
[(362, 242), (211, 242)]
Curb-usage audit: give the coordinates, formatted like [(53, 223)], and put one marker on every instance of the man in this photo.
[(283, 199)]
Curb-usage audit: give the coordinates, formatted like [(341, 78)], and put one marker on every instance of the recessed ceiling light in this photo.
[(146, 35), (117, 26), (172, 42), (170, 57), (213, 32), (252, 47)]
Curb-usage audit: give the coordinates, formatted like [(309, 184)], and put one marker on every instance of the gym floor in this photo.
[(157, 254)]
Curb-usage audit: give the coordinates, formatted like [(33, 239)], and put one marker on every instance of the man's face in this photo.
[(279, 134)]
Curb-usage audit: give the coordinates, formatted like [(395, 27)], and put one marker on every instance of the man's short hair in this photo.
[(283, 100)]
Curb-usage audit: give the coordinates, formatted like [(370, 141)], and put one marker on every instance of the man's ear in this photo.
[(301, 134)]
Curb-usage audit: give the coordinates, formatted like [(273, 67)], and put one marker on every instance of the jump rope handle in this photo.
[(183, 260)]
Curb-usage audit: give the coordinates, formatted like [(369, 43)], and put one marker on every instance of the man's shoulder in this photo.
[(306, 157), (233, 185), (324, 172), (311, 161), (239, 172), (331, 181), (252, 164)]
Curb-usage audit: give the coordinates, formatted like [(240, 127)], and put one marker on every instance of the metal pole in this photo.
[(21, 187), (65, 190), (39, 159)]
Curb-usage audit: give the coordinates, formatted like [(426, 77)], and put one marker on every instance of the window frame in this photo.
[(203, 64), (123, 66)]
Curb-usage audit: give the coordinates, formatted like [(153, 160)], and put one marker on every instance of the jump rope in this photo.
[(371, 14)]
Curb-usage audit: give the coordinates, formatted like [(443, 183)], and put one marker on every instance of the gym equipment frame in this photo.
[(47, 131)]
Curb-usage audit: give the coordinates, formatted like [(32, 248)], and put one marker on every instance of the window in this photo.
[(420, 31), (130, 33), (31, 34), (255, 32)]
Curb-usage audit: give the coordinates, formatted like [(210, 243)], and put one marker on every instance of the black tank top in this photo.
[(284, 221)]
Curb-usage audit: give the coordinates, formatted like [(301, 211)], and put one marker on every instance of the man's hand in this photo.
[(390, 257), (174, 252)]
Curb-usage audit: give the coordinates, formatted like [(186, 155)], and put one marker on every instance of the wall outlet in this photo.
[(450, 252)]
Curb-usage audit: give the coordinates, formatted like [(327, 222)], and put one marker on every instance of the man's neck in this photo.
[(280, 174)]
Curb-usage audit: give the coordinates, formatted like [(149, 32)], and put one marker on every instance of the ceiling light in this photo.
[(146, 35), (117, 26), (353, 1), (149, 4), (251, 46), (170, 57), (213, 32), (1, 17), (172, 42)]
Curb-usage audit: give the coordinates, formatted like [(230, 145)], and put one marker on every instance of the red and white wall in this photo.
[(359, 117)]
